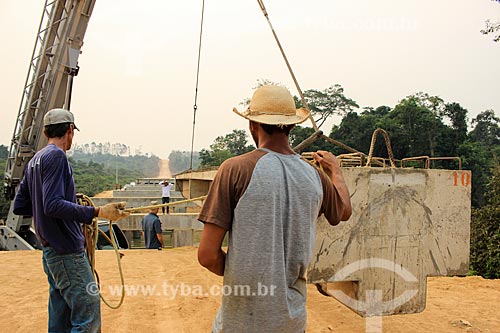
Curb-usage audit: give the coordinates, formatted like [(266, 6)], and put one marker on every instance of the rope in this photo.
[(136, 209), (91, 234), (387, 143), (264, 11), (309, 157), (195, 107), (308, 141), (318, 133)]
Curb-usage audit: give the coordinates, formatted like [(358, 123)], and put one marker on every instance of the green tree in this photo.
[(206, 158), (458, 118), (485, 231), (453, 136), (224, 147), (92, 177), (486, 129), (492, 28), (355, 130), (179, 161), (299, 134), (147, 166), (325, 103), (4, 152), (415, 128), (234, 142), (475, 157), (480, 151), (435, 104)]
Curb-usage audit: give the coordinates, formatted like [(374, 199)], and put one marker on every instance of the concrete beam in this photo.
[(168, 221), (407, 224), (144, 201)]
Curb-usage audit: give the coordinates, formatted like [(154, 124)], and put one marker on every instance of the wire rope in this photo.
[(195, 106), (266, 15)]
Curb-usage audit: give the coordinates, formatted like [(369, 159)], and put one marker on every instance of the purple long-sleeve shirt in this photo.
[(47, 192)]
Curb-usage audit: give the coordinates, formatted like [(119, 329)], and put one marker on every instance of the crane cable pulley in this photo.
[(304, 103), (317, 133), (195, 107)]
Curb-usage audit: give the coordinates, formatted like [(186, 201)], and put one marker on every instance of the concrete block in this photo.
[(195, 184), (407, 224), (137, 193), (135, 201), (182, 237), (170, 221), (152, 192)]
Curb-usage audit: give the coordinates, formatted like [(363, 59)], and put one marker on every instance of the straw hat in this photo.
[(273, 105)]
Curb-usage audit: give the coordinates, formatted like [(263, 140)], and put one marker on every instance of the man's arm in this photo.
[(210, 254), (160, 239), (332, 168), (159, 232), (22, 201)]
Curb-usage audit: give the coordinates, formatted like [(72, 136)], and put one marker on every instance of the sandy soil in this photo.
[(105, 194), (453, 304), (164, 170), (163, 173)]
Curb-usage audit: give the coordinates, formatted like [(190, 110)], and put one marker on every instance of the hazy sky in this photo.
[(138, 66)]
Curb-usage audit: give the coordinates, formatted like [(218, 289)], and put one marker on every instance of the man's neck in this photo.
[(59, 142), (277, 143)]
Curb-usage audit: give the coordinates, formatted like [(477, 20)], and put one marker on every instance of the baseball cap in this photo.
[(59, 116)]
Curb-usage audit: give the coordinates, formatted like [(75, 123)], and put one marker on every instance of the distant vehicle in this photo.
[(127, 186), (120, 239)]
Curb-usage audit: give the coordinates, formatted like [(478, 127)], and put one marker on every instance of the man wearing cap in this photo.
[(151, 229), (47, 192), (268, 200)]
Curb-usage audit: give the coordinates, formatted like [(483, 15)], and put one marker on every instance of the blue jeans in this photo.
[(74, 304)]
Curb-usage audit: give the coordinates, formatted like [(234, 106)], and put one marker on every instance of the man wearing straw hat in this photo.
[(268, 200)]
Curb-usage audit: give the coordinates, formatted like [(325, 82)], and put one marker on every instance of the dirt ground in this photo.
[(454, 304), (104, 194), (164, 171)]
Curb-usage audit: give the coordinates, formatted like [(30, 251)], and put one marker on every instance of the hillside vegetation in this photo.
[(96, 172)]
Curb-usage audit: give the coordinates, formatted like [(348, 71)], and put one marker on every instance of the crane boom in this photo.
[(48, 85)]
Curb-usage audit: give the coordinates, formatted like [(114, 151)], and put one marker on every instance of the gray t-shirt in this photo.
[(269, 203)]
